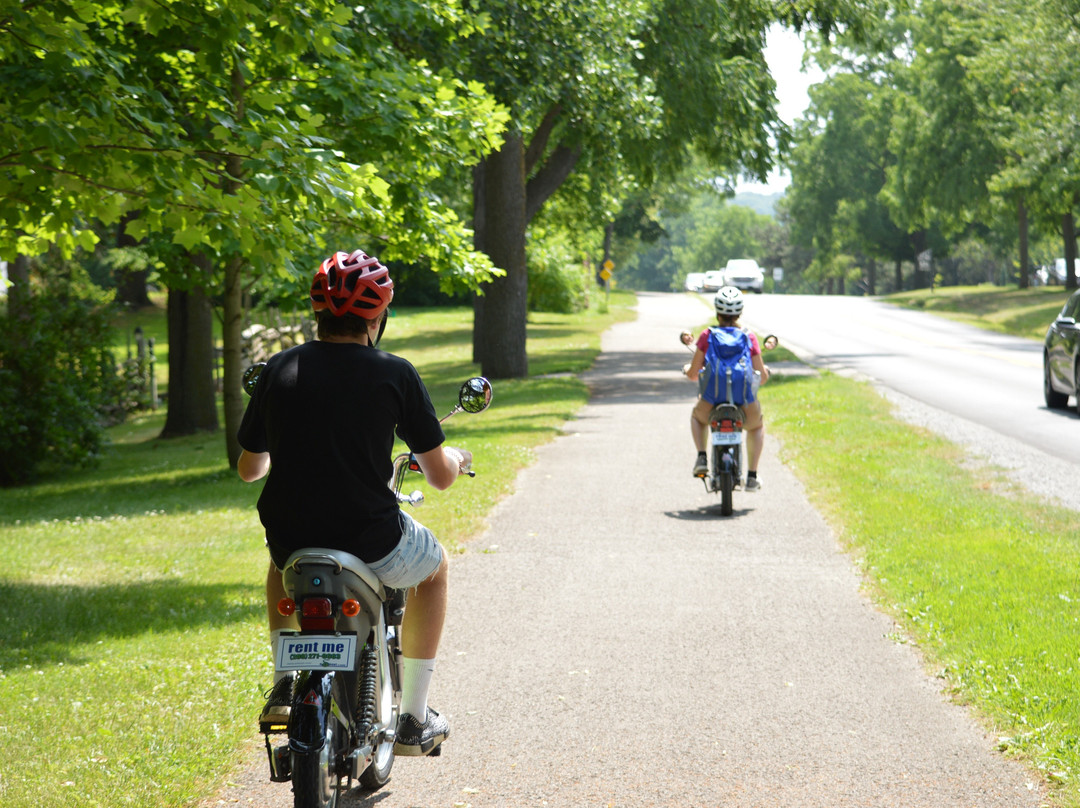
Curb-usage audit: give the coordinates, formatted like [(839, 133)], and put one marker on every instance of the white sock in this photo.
[(275, 640), (416, 679)]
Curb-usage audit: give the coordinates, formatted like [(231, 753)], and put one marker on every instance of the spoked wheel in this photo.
[(378, 771), (379, 702), (316, 783)]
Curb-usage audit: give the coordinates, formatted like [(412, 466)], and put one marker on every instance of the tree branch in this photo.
[(548, 179), (538, 144)]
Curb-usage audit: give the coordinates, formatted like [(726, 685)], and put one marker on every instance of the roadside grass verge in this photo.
[(980, 574), (1021, 312), (133, 646)]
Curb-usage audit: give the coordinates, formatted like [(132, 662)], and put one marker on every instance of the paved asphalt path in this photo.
[(614, 641)]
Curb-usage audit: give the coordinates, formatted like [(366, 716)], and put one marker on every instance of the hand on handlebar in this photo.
[(463, 457)]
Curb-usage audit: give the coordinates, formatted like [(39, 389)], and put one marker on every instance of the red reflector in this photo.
[(350, 608), (286, 607), (317, 607)]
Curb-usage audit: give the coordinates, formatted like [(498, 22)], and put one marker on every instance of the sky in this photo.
[(783, 52)]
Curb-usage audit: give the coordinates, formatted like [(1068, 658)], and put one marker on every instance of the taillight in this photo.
[(317, 607), (350, 608), (317, 614)]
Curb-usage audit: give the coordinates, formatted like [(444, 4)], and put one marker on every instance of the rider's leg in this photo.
[(280, 695), (754, 426), (421, 628)]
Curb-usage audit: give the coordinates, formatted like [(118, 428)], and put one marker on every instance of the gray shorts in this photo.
[(415, 559)]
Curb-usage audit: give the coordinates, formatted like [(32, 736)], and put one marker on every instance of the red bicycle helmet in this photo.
[(352, 284)]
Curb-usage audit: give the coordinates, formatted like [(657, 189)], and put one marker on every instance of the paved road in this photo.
[(979, 389), (994, 380), (613, 641)]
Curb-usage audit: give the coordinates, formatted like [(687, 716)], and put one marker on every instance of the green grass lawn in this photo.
[(133, 646), (1022, 312)]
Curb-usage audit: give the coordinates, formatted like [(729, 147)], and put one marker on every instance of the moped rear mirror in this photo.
[(475, 394), (770, 342), (251, 377)]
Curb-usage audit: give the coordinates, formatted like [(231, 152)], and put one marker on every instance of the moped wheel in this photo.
[(380, 698), (378, 771), (314, 775), (728, 470)]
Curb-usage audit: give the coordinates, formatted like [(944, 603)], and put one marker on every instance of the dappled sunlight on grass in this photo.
[(140, 618)]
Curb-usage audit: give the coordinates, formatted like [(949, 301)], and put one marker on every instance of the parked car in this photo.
[(745, 274), (714, 279), (1061, 356), (695, 282)]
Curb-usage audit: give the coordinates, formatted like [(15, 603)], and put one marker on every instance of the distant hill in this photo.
[(765, 204)]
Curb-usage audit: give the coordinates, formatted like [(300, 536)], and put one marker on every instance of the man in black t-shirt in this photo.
[(321, 424)]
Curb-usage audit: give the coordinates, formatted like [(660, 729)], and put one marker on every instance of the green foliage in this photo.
[(702, 233), (57, 378), (557, 282), (287, 120)]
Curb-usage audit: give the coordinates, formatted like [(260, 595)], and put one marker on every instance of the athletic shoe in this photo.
[(278, 701), (752, 484), (701, 465), (415, 739)]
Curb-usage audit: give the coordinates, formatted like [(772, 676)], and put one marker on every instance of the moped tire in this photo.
[(727, 484), (376, 775), (314, 776)]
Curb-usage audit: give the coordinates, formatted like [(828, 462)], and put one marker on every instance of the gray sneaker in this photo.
[(415, 739), (752, 484), (701, 465)]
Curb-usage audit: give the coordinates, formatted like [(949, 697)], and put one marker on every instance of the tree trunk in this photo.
[(479, 211), (192, 403), (130, 284), (899, 275), (499, 336), (1068, 229), (19, 293), (233, 304), (871, 277), (232, 356), (1022, 224)]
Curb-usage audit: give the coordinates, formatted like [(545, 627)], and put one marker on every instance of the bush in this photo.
[(557, 283), (56, 378)]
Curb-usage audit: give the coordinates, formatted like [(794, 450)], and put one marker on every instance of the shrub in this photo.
[(57, 376), (557, 283)]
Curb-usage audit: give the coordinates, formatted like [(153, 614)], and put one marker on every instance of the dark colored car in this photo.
[(1061, 356)]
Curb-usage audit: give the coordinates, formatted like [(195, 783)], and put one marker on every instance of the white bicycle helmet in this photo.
[(729, 301)]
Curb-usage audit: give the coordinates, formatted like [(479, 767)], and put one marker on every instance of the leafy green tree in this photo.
[(243, 130), (617, 90)]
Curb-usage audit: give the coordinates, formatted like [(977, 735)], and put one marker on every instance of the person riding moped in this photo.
[(729, 306), (320, 427)]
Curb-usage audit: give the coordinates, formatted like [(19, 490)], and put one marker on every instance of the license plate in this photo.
[(726, 438), (305, 652)]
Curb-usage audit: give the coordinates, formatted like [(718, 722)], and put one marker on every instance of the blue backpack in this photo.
[(728, 374)]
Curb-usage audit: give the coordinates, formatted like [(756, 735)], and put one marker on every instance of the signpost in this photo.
[(605, 274)]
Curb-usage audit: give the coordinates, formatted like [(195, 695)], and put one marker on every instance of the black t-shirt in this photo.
[(327, 413)]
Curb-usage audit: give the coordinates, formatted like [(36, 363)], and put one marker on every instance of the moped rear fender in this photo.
[(311, 711)]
